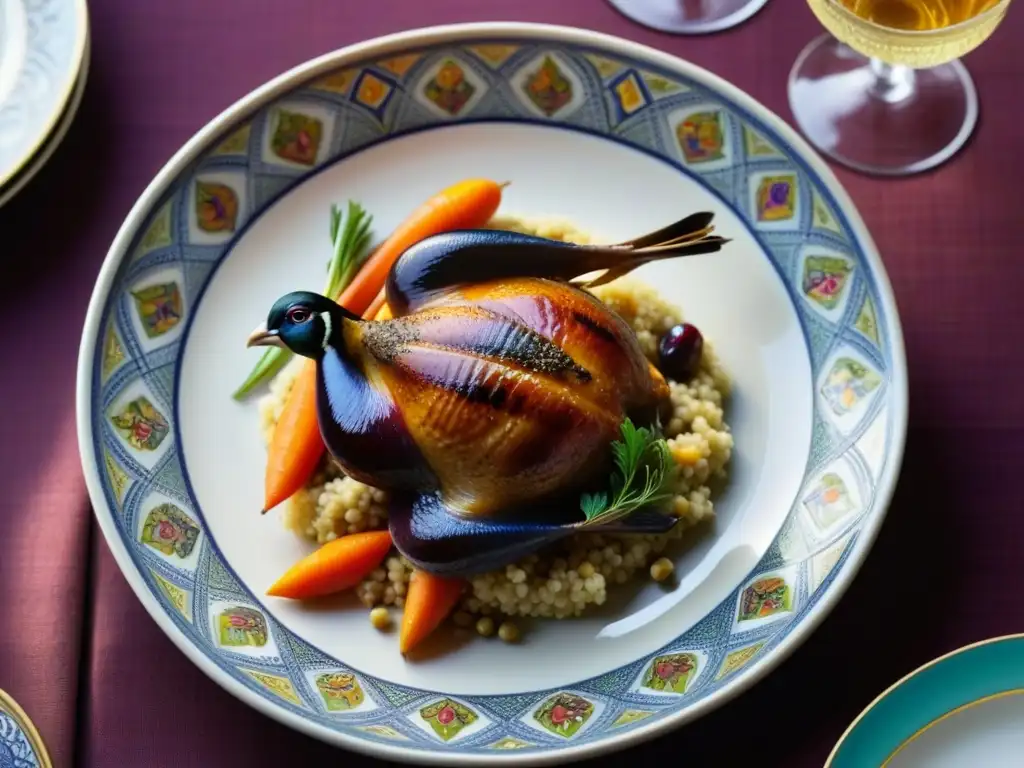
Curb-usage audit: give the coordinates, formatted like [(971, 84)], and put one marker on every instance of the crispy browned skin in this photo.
[(512, 390)]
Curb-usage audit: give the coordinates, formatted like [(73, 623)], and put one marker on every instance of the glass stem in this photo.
[(893, 83)]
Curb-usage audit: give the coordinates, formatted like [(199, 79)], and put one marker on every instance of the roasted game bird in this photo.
[(488, 403)]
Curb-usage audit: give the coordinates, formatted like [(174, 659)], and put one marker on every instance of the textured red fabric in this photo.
[(107, 688)]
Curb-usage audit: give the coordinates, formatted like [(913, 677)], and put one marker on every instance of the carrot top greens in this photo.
[(350, 234)]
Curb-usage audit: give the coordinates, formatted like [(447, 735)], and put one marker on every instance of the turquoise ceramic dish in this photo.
[(933, 716), (616, 137)]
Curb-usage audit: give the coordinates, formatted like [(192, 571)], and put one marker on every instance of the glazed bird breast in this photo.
[(513, 390)]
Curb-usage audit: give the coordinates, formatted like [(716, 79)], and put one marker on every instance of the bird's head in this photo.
[(303, 322)]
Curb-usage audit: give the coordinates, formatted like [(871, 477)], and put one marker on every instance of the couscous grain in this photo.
[(662, 568), (508, 632), (485, 626), (380, 618)]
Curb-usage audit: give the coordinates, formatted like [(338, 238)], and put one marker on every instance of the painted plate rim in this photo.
[(49, 128), (381, 48), (913, 723)]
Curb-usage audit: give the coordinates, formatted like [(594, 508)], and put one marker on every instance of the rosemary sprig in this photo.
[(350, 234), (644, 469)]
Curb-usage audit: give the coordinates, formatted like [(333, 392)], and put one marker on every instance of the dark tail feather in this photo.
[(687, 237), (695, 223), (441, 262)]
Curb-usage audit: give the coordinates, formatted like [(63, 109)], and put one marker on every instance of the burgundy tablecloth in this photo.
[(107, 688)]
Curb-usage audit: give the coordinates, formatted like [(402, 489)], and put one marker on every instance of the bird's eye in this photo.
[(298, 315)]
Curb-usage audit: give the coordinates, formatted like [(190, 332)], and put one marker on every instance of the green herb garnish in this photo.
[(350, 246), (271, 361), (644, 469), (350, 235)]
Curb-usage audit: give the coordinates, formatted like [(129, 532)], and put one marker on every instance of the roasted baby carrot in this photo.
[(429, 600), (377, 306), (296, 446), (337, 565), (467, 204), (384, 313)]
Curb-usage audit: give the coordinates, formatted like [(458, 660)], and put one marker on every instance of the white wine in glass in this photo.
[(885, 92), (688, 17)]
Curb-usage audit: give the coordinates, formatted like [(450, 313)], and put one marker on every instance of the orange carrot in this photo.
[(467, 204), (375, 306), (337, 565), (296, 446), (429, 600)]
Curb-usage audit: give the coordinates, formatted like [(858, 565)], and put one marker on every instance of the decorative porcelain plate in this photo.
[(20, 743), (18, 181), (617, 138), (42, 46), (964, 708)]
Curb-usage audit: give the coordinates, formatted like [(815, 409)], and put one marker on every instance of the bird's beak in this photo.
[(261, 337)]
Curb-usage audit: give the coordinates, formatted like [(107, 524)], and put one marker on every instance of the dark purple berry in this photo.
[(679, 352)]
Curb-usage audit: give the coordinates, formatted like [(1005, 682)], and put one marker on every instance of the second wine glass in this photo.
[(688, 17)]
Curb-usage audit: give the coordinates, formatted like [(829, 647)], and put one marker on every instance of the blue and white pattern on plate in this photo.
[(797, 220), (41, 47), (20, 744)]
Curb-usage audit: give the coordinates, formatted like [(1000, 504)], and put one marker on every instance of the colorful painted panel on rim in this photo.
[(564, 714)]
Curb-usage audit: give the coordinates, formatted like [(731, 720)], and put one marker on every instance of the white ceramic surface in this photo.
[(986, 735)]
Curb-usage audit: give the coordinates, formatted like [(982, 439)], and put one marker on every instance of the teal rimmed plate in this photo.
[(617, 138), (962, 709)]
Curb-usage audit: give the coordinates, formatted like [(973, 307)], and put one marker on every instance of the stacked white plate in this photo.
[(44, 55)]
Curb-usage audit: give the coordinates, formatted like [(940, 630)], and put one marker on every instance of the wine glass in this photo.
[(887, 94), (688, 17)]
